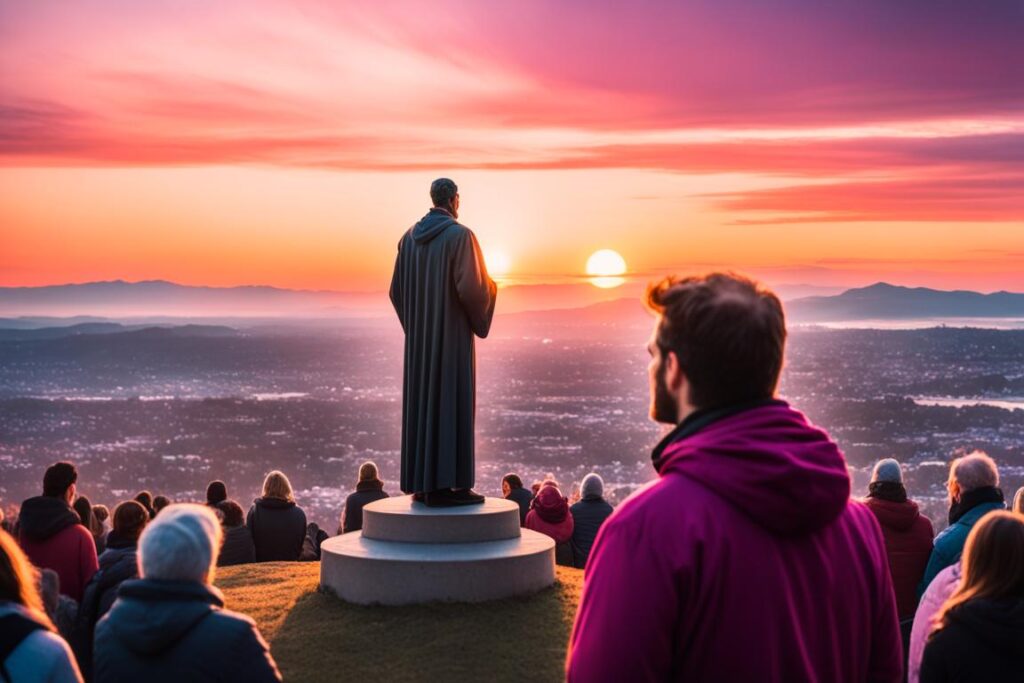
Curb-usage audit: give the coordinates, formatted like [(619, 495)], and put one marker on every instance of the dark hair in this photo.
[(513, 481), (58, 479), (146, 499), (160, 502), (100, 512), (216, 491), (443, 191), (728, 332), (130, 518), (233, 514), (84, 509)]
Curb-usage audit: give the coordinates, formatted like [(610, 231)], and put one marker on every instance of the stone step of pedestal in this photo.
[(368, 571), (400, 519)]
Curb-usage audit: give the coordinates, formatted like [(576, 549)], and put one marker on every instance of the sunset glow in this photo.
[(606, 266), (291, 143)]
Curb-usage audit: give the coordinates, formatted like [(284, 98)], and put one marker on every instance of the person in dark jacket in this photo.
[(979, 632), (512, 489), (908, 534), (51, 533), (238, 547), (216, 492), (368, 489), (171, 624), (550, 516), (118, 564), (973, 493), (277, 524), (588, 515)]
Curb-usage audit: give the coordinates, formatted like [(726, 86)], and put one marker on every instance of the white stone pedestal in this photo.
[(408, 553)]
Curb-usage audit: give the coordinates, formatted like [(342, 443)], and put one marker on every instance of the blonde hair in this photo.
[(992, 565), (1018, 501), (368, 471), (276, 485), (18, 580)]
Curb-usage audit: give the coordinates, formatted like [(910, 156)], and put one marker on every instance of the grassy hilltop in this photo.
[(317, 637)]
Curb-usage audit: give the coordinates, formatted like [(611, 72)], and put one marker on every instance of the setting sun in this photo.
[(606, 268), (497, 262)]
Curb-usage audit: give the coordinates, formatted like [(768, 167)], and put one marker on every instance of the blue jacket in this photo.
[(949, 544), (178, 631)]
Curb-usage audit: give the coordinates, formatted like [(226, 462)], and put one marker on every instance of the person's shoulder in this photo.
[(459, 232), (230, 621), (923, 526), (655, 502), (75, 533), (953, 535), (46, 644)]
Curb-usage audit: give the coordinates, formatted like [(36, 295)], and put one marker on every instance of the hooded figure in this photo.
[(550, 516), (745, 560), (51, 534), (908, 534), (443, 297)]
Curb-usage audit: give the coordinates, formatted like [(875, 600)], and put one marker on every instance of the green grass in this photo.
[(317, 637)]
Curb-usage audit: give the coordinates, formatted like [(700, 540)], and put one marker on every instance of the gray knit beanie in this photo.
[(592, 486), (888, 470)]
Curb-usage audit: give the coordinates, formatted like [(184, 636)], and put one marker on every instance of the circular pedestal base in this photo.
[(368, 570)]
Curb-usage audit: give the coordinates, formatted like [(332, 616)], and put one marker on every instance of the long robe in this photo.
[(443, 296)]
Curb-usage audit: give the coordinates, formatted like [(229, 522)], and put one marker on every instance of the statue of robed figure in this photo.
[(444, 298)]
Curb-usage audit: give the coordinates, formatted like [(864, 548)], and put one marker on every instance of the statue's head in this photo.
[(445, 195), (718, 341)]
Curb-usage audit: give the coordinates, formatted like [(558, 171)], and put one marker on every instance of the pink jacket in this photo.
[(938, 591), (745, 561), (550, 514)]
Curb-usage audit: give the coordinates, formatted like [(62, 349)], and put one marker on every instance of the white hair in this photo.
[(181, 544), (974, 471)]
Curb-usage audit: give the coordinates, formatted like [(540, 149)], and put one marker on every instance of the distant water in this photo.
[(1008, 404), (264, 396), (280, 396), (922, 324)]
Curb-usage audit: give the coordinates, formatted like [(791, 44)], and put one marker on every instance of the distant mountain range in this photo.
[(153, 301), (91, 308), (94, 328), (883, 301)]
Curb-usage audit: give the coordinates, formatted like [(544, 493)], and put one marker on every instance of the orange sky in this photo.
[(290, 144)]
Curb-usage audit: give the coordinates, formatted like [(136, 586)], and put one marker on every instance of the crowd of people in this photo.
[(749, 537)]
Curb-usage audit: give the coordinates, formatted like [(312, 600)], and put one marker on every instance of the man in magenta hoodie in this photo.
[(52, 536), (745, 560)]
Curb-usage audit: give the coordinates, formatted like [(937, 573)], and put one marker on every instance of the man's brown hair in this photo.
[(728, 332)]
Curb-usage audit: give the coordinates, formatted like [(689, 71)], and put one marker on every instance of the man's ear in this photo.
[(673, 372)]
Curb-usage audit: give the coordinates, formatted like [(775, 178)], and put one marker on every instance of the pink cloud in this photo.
[(985, 198)]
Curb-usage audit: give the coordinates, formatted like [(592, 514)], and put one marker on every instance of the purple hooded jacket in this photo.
[(745, 561)]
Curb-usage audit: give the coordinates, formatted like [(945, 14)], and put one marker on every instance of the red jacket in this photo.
[(52, 538), (908, 543)]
